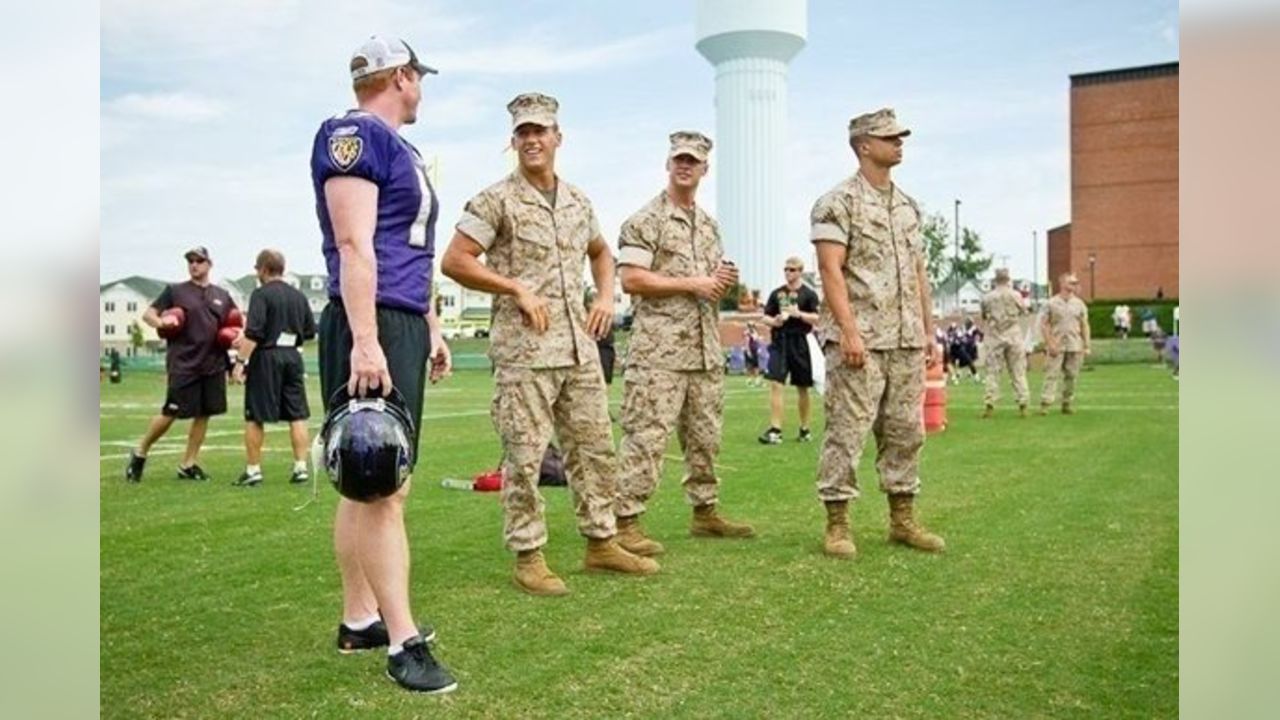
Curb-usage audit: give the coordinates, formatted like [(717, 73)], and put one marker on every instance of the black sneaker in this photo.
[(414, 669), (375, 636), (248, 479), (195, 472), (299, 476), (806, 435), (772, 436), (133, 471)]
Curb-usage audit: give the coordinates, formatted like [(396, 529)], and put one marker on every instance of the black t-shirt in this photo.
[(194, 353), (275, 308), (804, 297)]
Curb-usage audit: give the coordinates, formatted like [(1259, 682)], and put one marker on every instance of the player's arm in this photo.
[(461, 263), (353, 211), (1084, 331), (600, 315), (441, 357), (151, 316), (772, 314), (926, 310)]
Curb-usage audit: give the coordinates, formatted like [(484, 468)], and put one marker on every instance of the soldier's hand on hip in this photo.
[(852, 350), (534, 309), (368, 370), (600, 318)]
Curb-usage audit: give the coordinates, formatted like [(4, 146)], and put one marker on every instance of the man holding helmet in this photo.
[(377, 212)]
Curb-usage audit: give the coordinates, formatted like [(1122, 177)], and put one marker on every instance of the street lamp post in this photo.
[(955, 259), (1035, 265), (1093, 288)]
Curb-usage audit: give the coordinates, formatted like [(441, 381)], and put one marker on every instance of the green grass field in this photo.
[(1057, 596)]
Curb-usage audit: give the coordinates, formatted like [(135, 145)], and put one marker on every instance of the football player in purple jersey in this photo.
[(377, 213)]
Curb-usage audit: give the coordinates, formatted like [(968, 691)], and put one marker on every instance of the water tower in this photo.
[(750, 43)]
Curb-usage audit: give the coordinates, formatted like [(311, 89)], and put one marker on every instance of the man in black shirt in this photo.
[(196, 365), (792, 311), (270, 364)]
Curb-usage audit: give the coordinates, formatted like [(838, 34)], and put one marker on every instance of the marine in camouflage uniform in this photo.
[(671, 261), (1003, 309), (1065, 327), (543, 344), (874, 324)]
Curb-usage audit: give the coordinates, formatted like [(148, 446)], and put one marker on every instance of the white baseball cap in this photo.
[(380, 53)]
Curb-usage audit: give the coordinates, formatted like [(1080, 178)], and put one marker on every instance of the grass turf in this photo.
[(1057, 596)]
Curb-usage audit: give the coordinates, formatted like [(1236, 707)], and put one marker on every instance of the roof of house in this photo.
[(145, 286)]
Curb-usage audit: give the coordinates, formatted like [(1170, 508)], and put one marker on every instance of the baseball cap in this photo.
[(379, 53), (198, 251)]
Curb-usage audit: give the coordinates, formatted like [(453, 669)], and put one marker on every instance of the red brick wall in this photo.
[(1124, 186), (1059, 254)]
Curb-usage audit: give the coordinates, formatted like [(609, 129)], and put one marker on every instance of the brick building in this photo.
[(1124, 184)]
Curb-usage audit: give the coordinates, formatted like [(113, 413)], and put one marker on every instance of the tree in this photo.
[(136, 338), (972, 264), (937, 240)]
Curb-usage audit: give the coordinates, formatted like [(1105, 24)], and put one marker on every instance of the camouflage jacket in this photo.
[(1064, 318), (679, 332), (544, 248), (1003, 309), (884, 245)]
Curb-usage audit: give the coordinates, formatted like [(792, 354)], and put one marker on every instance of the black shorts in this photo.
[(789, 357), (405, 343), (275, 387), (196, 397)]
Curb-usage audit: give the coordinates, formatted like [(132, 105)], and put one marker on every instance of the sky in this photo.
[(209, 107)]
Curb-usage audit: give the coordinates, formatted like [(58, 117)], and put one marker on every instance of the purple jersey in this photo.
[(360, 144)]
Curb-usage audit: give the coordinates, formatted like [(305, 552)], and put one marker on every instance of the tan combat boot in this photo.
[(607, 554), (903, 528), (838, 540), (1067, 409), (1044, 408), (1022, 411), (988, 412), (632, 538), (707, 523), (534, 577)]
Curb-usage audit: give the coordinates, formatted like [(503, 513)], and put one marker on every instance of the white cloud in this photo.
[(551, 55), (179, 106)]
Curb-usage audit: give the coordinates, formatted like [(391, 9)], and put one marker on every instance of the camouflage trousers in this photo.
[(654, 403), (885, 397), (1002, 355), (1064, 366), (528, 407)]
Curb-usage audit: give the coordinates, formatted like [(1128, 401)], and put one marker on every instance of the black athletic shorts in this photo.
[(405, 343), (275, 387), (789, 358), (196, 397)]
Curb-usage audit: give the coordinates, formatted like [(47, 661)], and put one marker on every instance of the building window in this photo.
[(317, 283), (447, 300), (109, 306), (132, 306), (109, 330)]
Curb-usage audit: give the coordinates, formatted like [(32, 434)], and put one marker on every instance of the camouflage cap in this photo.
[(690, 142), (533, 108), (1002, 274), (881, 123)]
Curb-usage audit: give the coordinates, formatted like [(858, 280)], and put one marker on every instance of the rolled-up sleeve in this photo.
[(828, 221), (633, 248), (480, 220)]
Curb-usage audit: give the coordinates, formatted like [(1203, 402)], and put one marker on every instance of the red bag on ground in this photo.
[(488, 482)]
